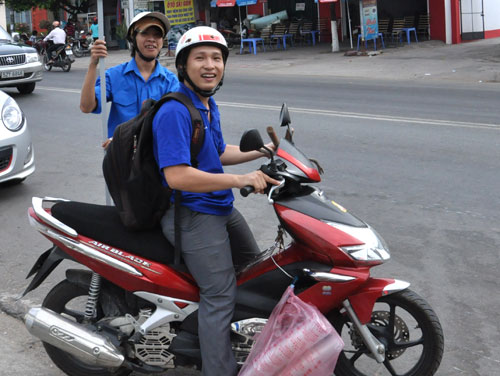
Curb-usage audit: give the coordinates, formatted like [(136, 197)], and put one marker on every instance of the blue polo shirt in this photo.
[(172, 130), (127, 90)]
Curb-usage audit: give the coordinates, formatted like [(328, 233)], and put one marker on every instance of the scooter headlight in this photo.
[(374, 249)]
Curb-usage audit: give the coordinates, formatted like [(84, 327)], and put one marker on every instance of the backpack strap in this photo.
[(197, 138), (198, 135)]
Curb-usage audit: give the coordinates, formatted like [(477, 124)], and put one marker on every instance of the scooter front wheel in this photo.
[(410, 331), (77, 51), (68, 299)]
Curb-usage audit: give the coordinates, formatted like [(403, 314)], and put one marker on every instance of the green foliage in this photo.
[(53, 5), (22, 28), (121, 31), (45, 25)]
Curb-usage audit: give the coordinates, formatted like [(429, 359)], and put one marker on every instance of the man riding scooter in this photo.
[(58, 38)]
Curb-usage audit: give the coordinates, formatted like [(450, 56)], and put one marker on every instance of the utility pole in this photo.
[(102, 74), (335, 35)]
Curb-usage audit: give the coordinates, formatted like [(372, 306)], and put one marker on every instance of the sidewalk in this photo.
[(477, 61)]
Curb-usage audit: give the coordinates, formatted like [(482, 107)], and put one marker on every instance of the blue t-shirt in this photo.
[(94, 28), (172, 130), (127, 90)]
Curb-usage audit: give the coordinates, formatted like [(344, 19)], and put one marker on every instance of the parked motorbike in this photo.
[(63, 57), (133, 310), (81, 45), (233, 38)]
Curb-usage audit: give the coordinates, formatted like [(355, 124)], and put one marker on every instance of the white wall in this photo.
[(3, 16), (491, 14), (447, 21)]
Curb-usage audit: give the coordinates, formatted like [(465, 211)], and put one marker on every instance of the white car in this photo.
[(17, 157), (20, 66)]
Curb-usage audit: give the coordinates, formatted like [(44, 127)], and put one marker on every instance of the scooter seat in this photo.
[(102, 223)]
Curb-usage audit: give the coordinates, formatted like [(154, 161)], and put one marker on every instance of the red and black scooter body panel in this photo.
[(259, 287), (298, 164)]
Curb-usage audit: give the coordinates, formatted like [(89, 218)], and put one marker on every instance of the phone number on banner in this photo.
[(179, 12)]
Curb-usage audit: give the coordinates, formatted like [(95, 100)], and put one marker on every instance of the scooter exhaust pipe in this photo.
[(72, 338)]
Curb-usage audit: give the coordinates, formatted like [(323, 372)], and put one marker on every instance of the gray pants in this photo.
[(210, 246)]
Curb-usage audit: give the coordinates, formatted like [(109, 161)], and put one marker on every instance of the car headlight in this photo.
[(373, 248), (32, 57), (12, 116)]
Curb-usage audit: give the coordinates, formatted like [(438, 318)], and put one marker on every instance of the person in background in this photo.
[(94, 29), (70, 29), (58, 38), (129, 84), (33, 37), (24, 38)]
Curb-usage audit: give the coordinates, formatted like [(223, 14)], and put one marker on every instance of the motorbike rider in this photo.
[(70, 29), (129, 84), (215, 238), (58, 37)]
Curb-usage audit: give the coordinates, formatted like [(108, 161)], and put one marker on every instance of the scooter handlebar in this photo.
[(246, 190)]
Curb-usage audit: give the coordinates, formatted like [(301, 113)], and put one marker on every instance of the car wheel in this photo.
[(26, 88)]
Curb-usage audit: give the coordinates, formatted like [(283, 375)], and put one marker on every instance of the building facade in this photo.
[(452, 21)]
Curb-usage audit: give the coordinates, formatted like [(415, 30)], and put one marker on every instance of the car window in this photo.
[(4, 35)]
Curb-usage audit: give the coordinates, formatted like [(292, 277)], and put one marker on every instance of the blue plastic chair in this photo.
[(379, 35)]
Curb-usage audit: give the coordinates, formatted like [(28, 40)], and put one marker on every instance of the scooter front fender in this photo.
[(363, 301)]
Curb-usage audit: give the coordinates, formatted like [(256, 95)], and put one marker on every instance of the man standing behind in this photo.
[(129, 84), (58, 37)]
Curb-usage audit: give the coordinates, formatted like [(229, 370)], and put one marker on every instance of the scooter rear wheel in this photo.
[(46, 64), (66, 65), (407, 326), (69, 300)]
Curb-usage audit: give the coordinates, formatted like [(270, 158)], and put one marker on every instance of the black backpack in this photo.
[(130, 169)]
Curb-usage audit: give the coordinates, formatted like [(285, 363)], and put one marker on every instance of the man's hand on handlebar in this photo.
[(271, 147), (258, 180)]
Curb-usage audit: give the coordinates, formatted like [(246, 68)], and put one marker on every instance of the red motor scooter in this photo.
[(135, 311)]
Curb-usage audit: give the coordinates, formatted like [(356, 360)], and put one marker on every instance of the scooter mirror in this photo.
[(251, 140), (284, 116)]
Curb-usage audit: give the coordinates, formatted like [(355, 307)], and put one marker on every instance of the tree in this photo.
[(53, 5)]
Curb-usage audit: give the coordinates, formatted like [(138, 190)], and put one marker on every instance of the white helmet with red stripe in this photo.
[(201, 35)]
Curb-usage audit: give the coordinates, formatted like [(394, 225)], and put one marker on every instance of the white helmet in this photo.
[(201, 35), (148, 19)]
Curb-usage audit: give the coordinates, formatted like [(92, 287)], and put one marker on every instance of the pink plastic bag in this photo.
[(296, 341)]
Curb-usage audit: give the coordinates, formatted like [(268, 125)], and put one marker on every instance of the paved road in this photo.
[(417, 159)]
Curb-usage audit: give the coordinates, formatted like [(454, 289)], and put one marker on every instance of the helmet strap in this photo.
[(203, 93)]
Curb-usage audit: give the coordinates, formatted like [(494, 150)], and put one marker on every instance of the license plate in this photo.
[(69, 52), (13, 74)]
